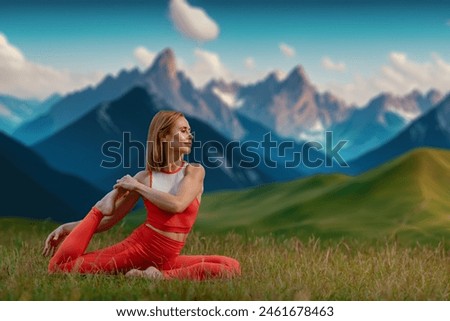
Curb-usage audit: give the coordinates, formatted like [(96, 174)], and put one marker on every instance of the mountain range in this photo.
[(161, 80), (292, 107), (380, 120), (73, 106)]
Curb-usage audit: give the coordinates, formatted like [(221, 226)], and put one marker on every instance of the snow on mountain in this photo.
[(380, 120), (292, 106), (15, 111), (228, 98)]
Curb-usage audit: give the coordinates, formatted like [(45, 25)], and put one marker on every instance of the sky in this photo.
[(355, 49)]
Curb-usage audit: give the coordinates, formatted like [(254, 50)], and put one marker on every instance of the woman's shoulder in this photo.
[(195, 168), (141, 176)]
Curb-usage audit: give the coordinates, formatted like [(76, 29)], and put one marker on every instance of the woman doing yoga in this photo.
[(171, 189)]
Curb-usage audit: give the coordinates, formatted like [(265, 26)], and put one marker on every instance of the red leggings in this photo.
[(142, 249)]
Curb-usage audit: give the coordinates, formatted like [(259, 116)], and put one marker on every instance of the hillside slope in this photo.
[(406, 199)]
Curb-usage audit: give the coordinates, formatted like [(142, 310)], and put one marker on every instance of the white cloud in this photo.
[(193, 22), (399, 76), (249, 63), (144, 56), (26, 79), (287, 50), (329, 64), (207, 66)]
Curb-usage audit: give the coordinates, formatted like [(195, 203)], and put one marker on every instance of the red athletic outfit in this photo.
[(144, 247)]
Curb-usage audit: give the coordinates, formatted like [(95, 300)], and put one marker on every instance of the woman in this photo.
[(171, 190)]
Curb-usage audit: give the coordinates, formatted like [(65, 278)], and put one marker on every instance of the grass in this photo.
[(274, 268)]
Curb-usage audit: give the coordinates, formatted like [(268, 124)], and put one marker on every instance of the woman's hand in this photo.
[(54, 239), (127, 182)]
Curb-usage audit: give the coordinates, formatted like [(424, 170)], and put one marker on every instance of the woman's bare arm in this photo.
[(122, 206), (190, 187)]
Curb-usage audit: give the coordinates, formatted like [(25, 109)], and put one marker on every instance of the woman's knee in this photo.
[(232, 265), (236, 266), (53, 266)]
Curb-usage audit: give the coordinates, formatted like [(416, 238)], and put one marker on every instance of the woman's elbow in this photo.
[(176, 206)]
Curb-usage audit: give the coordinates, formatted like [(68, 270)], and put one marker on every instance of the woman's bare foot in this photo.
[(149, 273), (107, 204), (153, 273), (134, 273)]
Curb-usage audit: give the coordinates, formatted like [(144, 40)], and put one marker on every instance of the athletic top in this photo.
[(169, 182)]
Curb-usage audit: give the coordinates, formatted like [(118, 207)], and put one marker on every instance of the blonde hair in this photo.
[(160, 126)]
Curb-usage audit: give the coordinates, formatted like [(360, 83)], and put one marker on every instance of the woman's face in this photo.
[(180, 136)]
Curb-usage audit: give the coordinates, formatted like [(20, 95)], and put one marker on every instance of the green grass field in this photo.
[(383, 235), (274, 268)]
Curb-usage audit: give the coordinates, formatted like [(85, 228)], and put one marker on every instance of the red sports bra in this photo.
[(181, 222)]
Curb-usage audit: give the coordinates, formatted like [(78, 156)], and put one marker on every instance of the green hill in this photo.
[(407, 199)]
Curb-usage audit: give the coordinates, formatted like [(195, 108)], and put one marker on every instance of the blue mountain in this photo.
[(430, 130), (380, 120), (73, 106), (33, 189), (15, 111)]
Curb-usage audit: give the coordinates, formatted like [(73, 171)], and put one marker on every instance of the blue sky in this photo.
[(355, 49)]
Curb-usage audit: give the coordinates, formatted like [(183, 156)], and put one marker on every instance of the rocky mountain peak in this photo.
[(415, 94), (434, 96), (297, 78), (273, 77), (298, 73), (165, 63)]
